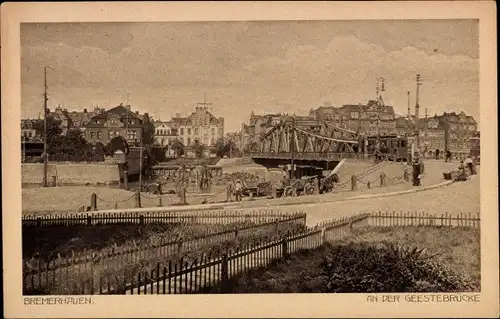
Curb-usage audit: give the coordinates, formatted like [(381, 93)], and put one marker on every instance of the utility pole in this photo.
[(292, 149), (140, 158), (417, 109), (45, 130), (409, 111)]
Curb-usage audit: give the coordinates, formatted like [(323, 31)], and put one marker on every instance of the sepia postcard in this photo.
[(250, 159)]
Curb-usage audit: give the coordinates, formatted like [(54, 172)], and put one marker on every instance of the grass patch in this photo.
[(50, 240), (124, 270), (411, 259)]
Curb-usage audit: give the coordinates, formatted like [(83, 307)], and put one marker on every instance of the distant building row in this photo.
[(449, 131), (98, 125), (102, 126)]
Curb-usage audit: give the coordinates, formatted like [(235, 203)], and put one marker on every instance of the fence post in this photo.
[(179, 247), (54, 180), (368, 184), (125, 178), (224, 273), (323, 235), (138, 199), (284, 247), (141, 220), (93, 202), (316, 186), (39, 221), (89, 220), (382, 179)]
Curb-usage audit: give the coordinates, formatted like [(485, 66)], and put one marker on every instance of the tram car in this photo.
[(393, 147)]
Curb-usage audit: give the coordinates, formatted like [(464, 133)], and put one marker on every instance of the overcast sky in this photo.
[(282, 66)]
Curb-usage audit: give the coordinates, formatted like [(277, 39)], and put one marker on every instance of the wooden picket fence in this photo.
[(43, 274), (217, 216), (202, 274), (404, 219)]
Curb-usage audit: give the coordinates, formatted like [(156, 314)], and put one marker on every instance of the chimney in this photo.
[(84, 110), (136, 112)]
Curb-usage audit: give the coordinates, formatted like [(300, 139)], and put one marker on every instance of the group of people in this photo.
[(234, 188), (203, 177), (467, 165)]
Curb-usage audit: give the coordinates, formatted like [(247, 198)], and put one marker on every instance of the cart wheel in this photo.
[(289, 191), (308, 189)]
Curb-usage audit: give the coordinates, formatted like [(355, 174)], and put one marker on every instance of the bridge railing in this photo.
[(306, 155)]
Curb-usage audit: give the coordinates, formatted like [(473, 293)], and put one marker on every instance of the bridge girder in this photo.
[(316, 137)]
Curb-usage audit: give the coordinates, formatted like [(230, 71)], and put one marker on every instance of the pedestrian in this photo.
[(462, 176), (448, 156), (437, 153), (469, 163), (238, 190), (204, 178), (416, 172), (229, 191)]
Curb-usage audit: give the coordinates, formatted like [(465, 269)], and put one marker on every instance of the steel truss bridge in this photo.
[(307, 142)]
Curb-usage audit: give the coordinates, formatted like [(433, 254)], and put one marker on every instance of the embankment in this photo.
[(71, 173)]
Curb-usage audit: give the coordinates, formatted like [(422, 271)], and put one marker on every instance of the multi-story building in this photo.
[(30, 129), (79, 120), (201, 126), (449, 131), (432, 135), (459, 128), (165, 133), (62, 116), (360, 118), (118, 121)]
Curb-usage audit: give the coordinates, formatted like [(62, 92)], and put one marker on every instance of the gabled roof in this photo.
[(79, 119), (121, 110)]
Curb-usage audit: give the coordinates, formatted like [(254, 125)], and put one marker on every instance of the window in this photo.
[(93, 134), (189, 131), (213, 131), (196, 132), (189, 141), (117, 133), (99, 135), (111, 134), (182, 131), (212, 142), (131, 134)]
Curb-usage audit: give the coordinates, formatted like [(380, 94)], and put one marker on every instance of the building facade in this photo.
[(29, 131), (201, 126), (459, 129), (118, 121), (79, 120), (432, 136), (62, 116), (359, 118)]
